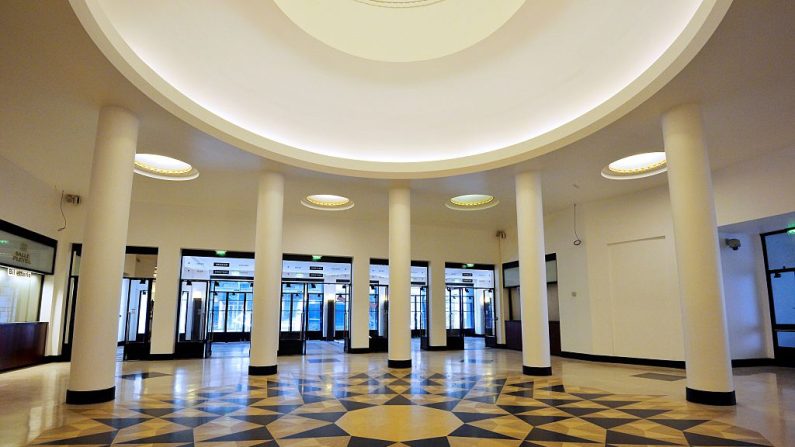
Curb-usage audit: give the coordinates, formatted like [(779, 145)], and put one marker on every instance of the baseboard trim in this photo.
[(400, 364), (358, 350), (161, 357), (54, 358), (742, 363), (536, 370), (262, 370), (90, 397), (719, 398), (679, 364), (435, 348)]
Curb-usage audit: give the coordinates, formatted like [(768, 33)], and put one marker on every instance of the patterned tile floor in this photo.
[(398, 408), (460, 398)]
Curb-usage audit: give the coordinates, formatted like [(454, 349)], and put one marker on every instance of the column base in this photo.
[(262, 370), (398, 363), (537, 370), (90, 397), (722, 398)]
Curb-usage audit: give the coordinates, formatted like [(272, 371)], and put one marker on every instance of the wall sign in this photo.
[(25, 249)]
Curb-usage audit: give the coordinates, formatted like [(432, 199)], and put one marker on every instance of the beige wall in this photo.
[(632, 309)]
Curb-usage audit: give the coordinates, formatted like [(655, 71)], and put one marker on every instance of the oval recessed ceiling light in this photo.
[(163, 168), (471, 202), (636, 166), (327, 202)]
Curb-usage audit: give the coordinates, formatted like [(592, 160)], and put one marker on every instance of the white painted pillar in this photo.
[(707, 355), (92, 376), (267, 275), (532, 275), (164, 316), (437, 318), (399, 277), (360, 307)]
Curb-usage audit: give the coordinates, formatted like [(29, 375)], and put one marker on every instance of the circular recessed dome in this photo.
[(163, 168), (327, 202), (471, 202), (274, 78), (399, 30), (636, 166)]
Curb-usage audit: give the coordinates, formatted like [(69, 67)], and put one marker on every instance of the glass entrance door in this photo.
[(779, 250), (342, 297), (487, 303), (229, 317), (460, 307), (135, 317), (294, 321), (419, 311)]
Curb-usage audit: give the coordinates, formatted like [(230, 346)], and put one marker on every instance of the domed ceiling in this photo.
[(399, 88)]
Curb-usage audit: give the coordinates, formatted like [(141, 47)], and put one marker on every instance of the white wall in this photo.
[(28, 202)]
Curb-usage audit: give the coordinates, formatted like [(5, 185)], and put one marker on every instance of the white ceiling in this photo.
[(54, 80), (243, 72)]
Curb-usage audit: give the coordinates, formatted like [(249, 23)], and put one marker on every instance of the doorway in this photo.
[(469, 305), (779, 253), (136, 302), (135, 317)]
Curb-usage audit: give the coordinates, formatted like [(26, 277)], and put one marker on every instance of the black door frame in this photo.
[(784, 356)]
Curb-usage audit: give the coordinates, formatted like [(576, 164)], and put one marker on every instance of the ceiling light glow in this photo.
[(163, 168), (472, 202), (329, 202), (636, 166)]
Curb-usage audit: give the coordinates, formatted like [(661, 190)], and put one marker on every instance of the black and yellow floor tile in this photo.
[(397, 408)]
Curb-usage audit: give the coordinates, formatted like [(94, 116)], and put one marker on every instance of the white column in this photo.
[(360, 308), (399, 277), (532, 275), (707, 355), (267, 275), (437, 316), (164, 315), (92, 376)]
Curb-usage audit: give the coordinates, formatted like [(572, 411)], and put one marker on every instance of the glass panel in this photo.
[(184, 296), (455, 309), (780, 251), (488, 312), (193, 298), (415, 298), (234, 312), (143, 303), (423, 306), (249, 306), (123, 310), (786, 339), (70, 310), (341, 309), (783, 289), (133, 303), (284, 325), (218, 311), (373, 308), (19, 295), (315, 312), (296, 319), (468, 307)]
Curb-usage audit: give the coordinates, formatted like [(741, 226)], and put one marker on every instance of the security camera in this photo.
[(734, 244)]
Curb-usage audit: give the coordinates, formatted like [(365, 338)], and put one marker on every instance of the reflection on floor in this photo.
[(313, 347), (467, 398)]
